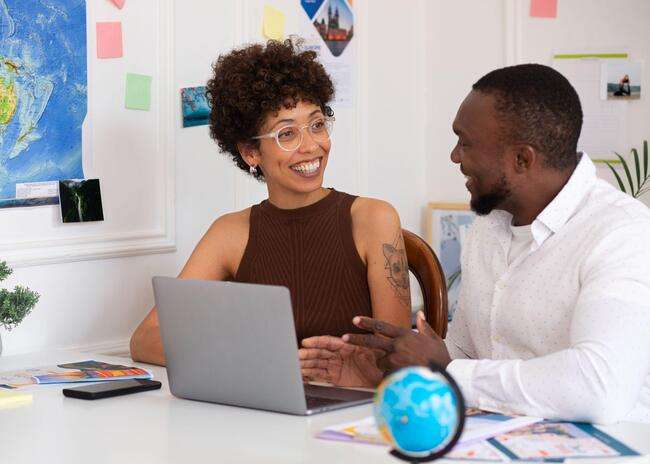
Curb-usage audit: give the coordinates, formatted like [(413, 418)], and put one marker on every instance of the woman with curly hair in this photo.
[(339, 255)]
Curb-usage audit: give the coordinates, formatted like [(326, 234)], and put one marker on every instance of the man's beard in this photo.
[(484, 204)]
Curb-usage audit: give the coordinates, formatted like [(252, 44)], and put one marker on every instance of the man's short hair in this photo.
[(538, 106)]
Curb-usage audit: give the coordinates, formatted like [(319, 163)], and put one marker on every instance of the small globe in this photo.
[(417, 411)]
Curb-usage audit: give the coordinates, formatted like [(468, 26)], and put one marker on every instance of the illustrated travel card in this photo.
[(85, 371), (557, 441)]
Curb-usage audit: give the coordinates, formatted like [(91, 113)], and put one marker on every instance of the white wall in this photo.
[(416, 59), (96, 304), (469, 39)]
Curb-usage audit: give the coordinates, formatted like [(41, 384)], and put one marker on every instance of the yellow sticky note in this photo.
[(273, 23), (10, 399)]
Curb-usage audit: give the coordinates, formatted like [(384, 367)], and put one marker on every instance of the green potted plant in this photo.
[(16, 304), (641, 174)]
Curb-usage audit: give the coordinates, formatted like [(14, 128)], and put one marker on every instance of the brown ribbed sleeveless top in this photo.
[(311, 251)]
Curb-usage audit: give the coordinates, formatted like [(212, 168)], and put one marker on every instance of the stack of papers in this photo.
[(496, 437), (85, 371)]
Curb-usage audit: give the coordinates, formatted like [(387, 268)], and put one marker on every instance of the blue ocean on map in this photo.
[(43, 91)]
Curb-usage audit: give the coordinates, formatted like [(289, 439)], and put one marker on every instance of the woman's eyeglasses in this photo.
[(290, 137)]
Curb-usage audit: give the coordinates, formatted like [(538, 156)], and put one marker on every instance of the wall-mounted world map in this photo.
[(43, 94)]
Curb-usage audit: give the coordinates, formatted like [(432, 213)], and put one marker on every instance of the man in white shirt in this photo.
[(554, 310)]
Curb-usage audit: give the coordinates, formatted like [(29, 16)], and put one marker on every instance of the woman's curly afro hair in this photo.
[(252, 82)]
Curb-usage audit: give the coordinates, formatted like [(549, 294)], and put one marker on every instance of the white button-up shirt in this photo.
[(563, 332)]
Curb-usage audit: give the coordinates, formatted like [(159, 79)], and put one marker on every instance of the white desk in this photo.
[(155, 427)]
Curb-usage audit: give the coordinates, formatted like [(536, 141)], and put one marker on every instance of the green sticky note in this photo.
[(138, 92)]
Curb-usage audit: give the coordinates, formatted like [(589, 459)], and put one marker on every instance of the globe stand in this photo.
[(461, 422)]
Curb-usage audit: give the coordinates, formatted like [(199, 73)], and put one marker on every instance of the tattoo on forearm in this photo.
[(397, 269)]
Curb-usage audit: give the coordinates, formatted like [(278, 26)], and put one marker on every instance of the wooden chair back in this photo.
[(424, 264)]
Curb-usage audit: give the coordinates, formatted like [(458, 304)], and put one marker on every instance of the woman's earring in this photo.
[(253, 170)]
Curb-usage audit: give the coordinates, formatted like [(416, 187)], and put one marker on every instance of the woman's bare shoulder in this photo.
[(369, 212), (373, 221), (218, 253), (231, 223)]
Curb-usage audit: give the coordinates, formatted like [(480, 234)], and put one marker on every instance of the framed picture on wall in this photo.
[(447, 224)]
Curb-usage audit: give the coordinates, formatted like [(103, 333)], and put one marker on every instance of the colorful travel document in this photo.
[(85, 371), (556, 441), (496, 437), (478, 426)]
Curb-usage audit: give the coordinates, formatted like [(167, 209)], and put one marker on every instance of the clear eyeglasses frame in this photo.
[(290, 137)]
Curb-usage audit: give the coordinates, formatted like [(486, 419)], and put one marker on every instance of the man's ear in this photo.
[(525, 158), (250, 153)]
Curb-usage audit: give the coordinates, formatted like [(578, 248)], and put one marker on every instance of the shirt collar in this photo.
[(565, 203), (560, 209)]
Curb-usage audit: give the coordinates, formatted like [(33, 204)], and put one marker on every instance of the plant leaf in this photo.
[(627, 174), (618, 178), (643, 192), (645, 158), (637, 168)]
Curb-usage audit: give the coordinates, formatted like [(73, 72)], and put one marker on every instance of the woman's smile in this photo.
[(308, 169)]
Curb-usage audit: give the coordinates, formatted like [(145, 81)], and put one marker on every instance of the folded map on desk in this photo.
[(478, 426), (546, 442), (495, 437), (85, 371)]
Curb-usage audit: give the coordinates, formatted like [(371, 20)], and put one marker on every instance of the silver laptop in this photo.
[(235, 344)]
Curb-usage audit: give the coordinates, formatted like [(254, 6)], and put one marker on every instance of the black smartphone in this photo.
[(113, 388)]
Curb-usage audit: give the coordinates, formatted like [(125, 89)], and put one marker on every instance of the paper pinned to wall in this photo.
[(195, 106), (47, 189), (543, 8), (138, 92), (273, 23), (109, 40), (81, 200), (328, 29), (604, 122), (620, 80)]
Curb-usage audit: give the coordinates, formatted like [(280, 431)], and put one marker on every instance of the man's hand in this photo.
[(403, 347), (329, 359)]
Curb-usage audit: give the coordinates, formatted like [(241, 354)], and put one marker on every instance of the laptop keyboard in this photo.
[(314, 402), (319, 397)]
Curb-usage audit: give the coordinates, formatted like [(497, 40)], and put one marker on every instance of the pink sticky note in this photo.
[(543, 8), (118, 3), (109, 40)]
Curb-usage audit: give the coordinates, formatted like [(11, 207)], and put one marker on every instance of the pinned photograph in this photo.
[(622, 80), (196, 109), (81, 200), (335, 24)]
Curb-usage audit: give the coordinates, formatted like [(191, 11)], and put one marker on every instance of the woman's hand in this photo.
[(330, 359)]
